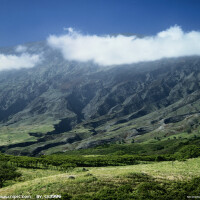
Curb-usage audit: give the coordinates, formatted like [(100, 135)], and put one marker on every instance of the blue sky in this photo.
[(24, 21)]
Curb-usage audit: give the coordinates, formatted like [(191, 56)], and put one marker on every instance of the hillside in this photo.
[(62, 105), (163, 180)]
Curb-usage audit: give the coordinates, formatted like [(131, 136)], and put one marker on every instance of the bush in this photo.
[(7, 173), (66, 196), (149, 190), (121, 193), (189, 151)]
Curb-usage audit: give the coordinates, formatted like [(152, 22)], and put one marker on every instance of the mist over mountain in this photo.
[(107, 50), (59, 105)]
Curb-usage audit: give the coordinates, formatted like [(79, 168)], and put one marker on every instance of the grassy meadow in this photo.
[(90, 182), (160, 169)]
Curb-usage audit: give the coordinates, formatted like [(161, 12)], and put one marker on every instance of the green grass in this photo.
[(11, 135), (90, 181), (31, 174)]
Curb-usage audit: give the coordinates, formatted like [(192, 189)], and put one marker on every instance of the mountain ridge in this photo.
[(72, 105)]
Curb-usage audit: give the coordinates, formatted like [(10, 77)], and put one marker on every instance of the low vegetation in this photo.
[(108, 175), (154, 180), (7, 172)]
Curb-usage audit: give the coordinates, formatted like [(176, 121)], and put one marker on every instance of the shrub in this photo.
[(7, 173), (148, 190), (189, 151), (66, 196)]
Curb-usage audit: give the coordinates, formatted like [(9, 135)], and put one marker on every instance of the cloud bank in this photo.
[(20, 49), (25, 60), (120, 49)]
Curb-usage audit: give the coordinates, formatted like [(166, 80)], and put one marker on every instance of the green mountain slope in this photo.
[(60, 105)]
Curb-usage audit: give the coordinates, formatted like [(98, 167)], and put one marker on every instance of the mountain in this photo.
[(61, 105)]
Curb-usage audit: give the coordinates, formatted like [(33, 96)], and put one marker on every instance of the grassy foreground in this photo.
[(142, 181)]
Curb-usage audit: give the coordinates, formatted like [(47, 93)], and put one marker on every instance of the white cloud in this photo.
[(69, 29), (24, 60), (120, 49), (20, 49)]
